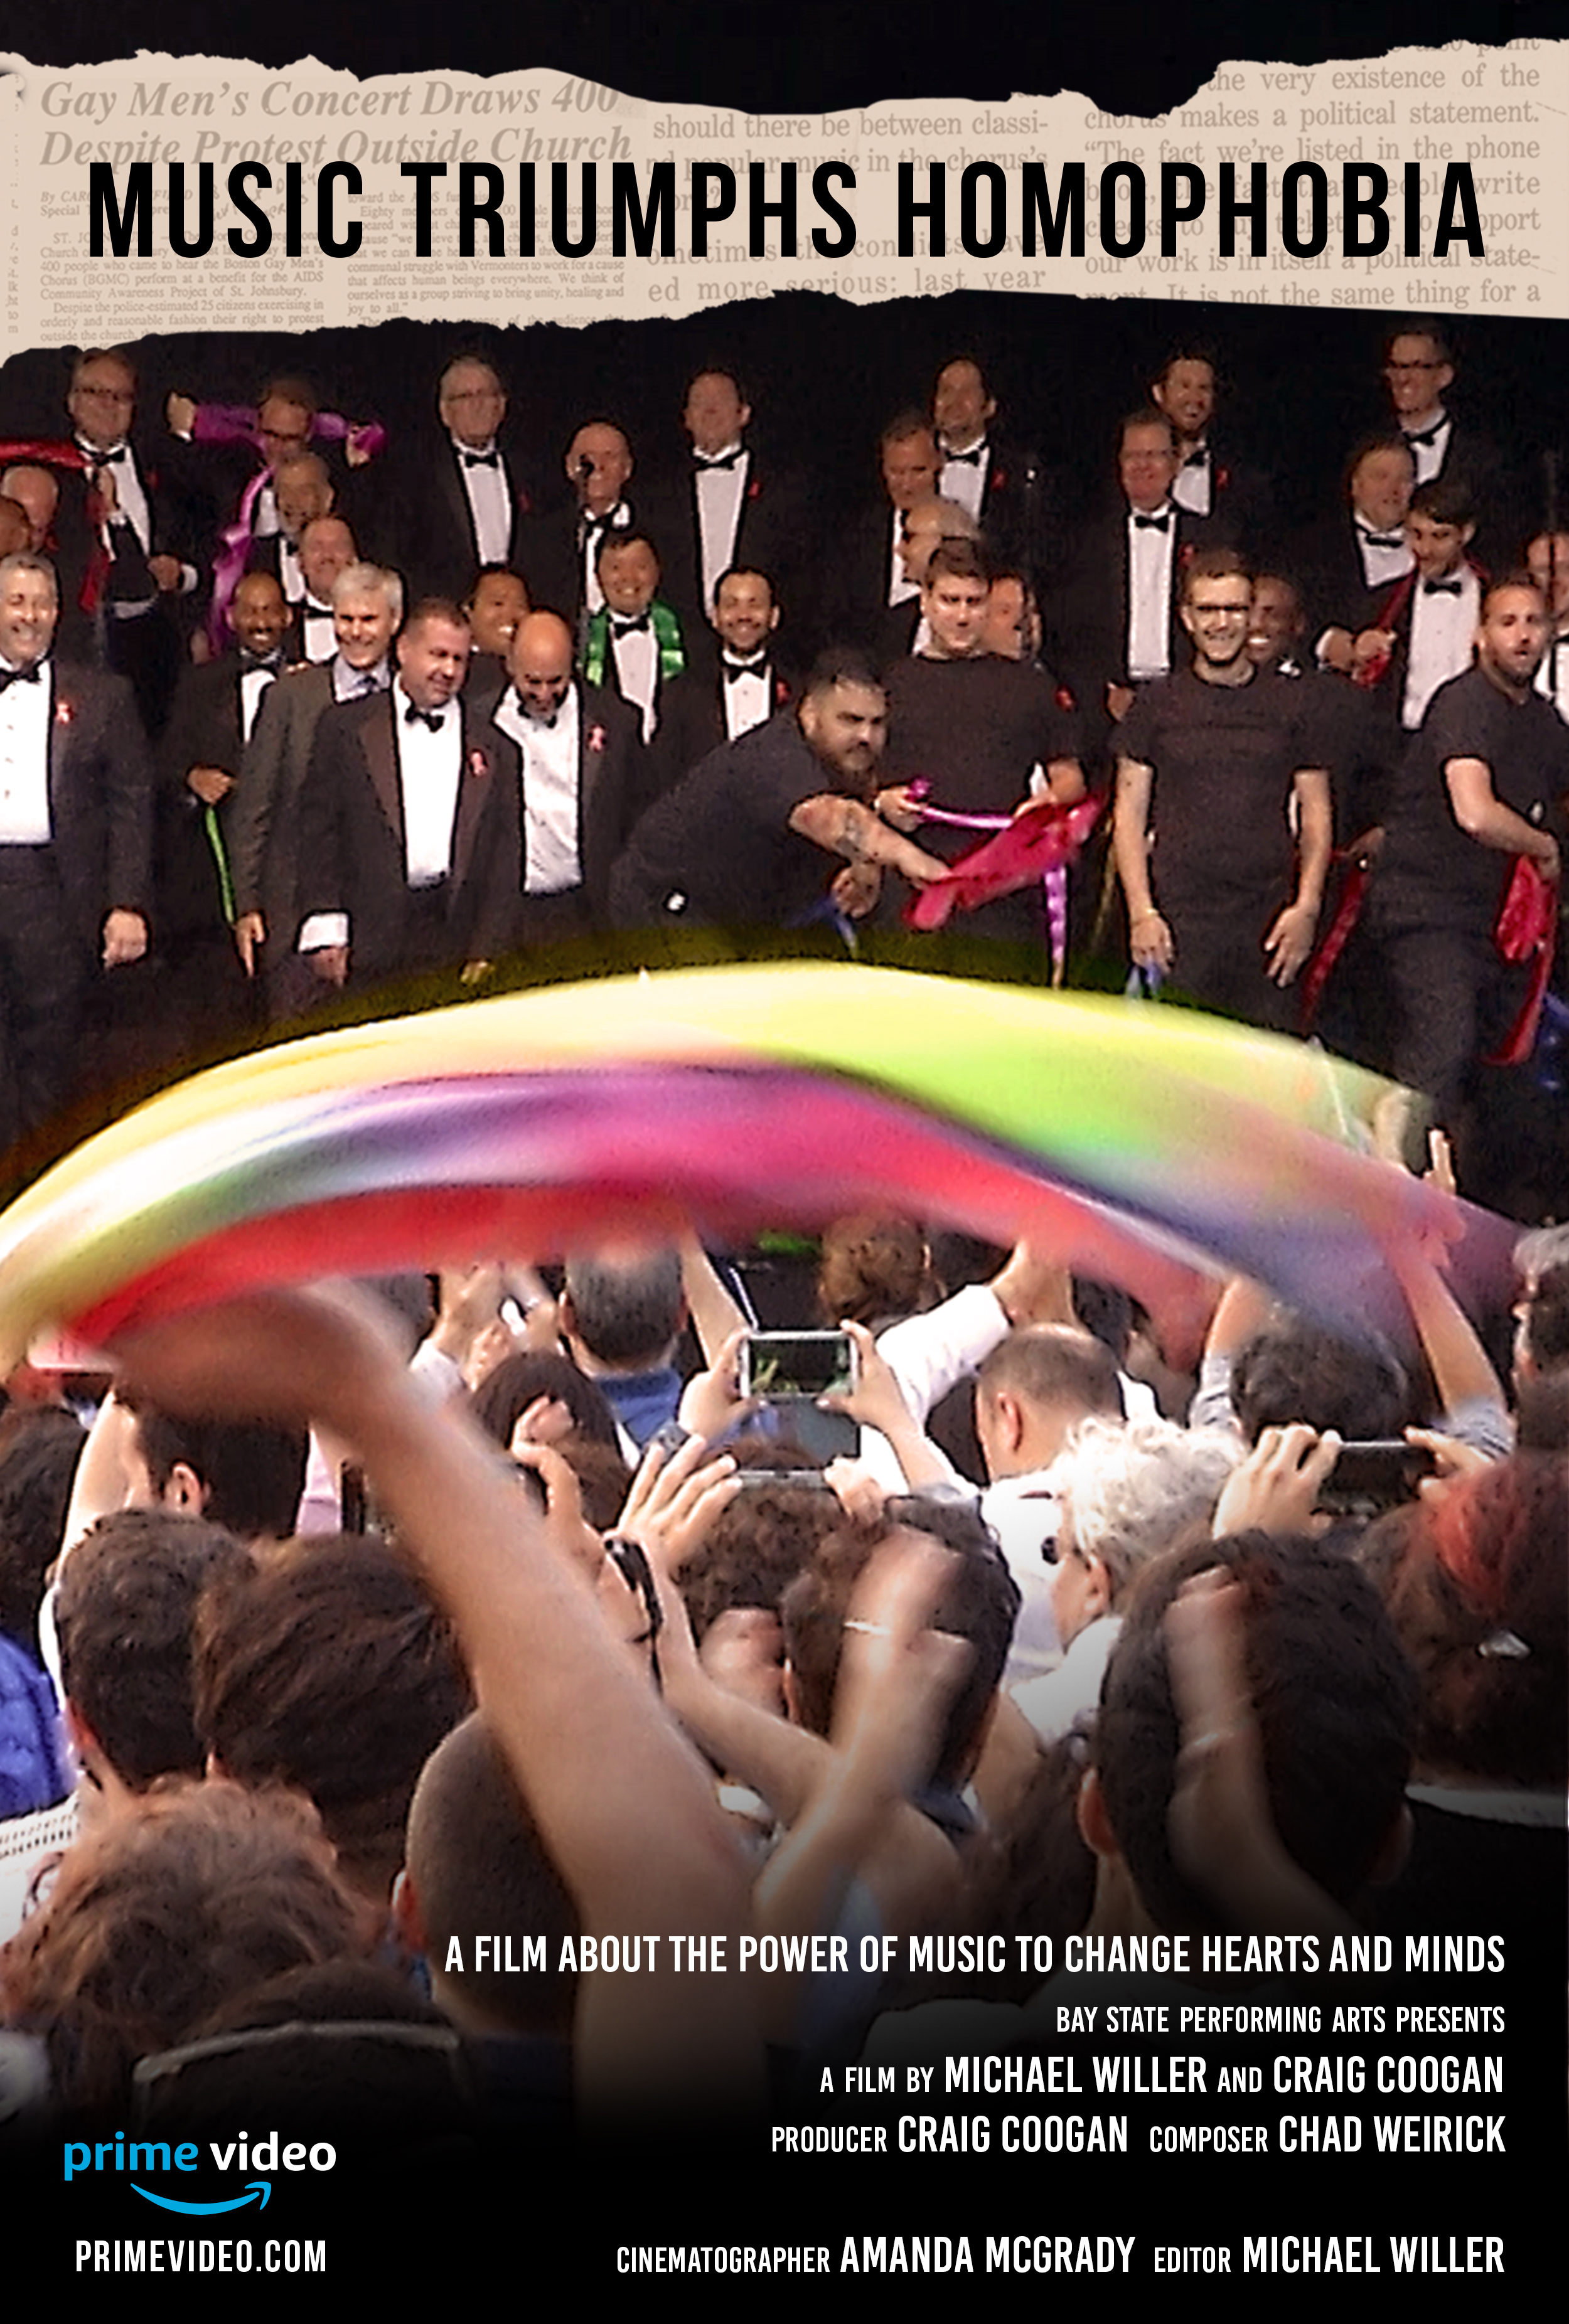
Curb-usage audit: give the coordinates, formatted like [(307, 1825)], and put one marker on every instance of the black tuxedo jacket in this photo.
[(352, 840), (855, 601), (1366, 729), (1241, 505), (551, 558), (294, 636), (692, 721), (100, 797), (1334, 593), (146, 648), (1086, 617), (611, 780), (1473, 458), (430, 521), (265, 556), (129, 580), (1019, 505), (203, 731), (893, 633), (772, 536), (265, 810)]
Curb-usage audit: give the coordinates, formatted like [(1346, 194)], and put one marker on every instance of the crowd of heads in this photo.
[(283, 1770)]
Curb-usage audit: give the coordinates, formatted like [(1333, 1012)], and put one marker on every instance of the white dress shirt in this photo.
[(552, 848), (1193, 486), (1443, 636), (900, 588), (1384, 559), (26, 709), (593, 531), (1429, 455), (429, 771), (637, 672), (254, 685), (746, 692), (133, 509), (490, 499), (720, 491), (318, 635), (964, 479), (1551, 678), (1151, 555)]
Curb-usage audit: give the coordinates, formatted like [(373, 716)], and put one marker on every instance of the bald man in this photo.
[(37, 491), (561, 548), (927, 523), (302, 487), (217, 704), (573, 754)]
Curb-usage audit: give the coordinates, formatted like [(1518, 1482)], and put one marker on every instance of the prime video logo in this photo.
[(245, 2154)]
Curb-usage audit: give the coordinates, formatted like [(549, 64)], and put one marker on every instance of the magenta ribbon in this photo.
[(1054, 881), (1073, 826)]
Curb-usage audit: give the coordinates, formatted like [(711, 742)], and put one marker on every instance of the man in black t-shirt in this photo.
[(1482, 784), (744, 840), (977, 730), (1210, 760)]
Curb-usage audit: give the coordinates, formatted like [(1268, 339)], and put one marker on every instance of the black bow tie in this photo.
[(414, 716), (1427, 436), (106, 459), (589, 522), (250, 661), (1198, 457), (1442, 588), (28, 677), (620, 628), (734, 669), (1381, 539), (970, 459), (491, 460), (1151, 523), (314, 610), (704, 460)]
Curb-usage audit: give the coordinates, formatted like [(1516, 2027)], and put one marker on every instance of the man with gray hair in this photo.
[(75, 844), (1127, 1491), (461, 497), (368, 606)]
